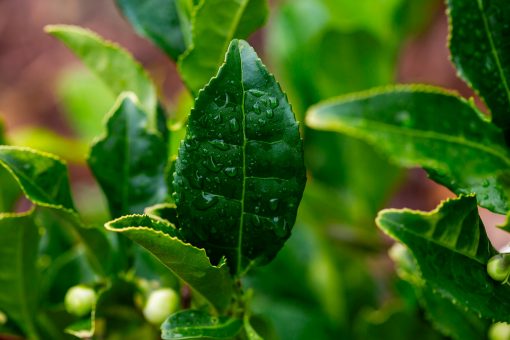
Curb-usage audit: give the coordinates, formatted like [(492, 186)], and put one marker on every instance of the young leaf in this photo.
[(215, 23), (481, 52), (115, 66), (451, 249), (240, 175), (157, 20), (18, 279), (195, 324), (187, 262), (129, 161), (424, 126)]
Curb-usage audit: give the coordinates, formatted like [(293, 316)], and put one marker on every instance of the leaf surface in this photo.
[(157, 20), (186, 261), (195, 324), (129, 161), (18, 274), (214, 24), (112, 64), (481, 52), (425, 126), (451, 249), (240, 174)]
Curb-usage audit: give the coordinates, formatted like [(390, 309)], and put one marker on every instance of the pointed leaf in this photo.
[(129, 161), (451, 249), (114, 65), (18, 274), (158, 21), (195, 324), (214, 24), (240, 175), (424, 126), (481, 52), (187, 262)]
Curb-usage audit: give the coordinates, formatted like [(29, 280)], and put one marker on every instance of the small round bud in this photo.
[(3, 318), (80, 300), (160, 304), (499, 331), (498, 267)]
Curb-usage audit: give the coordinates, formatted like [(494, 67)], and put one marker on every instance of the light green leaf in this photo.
[(186, 261), (195, 324), (129, 161), (481, 52), (158, 21), (240, 174), (167, 211), (114, 65), (425, 126), (18, 275), (214, 24), (451, 249)]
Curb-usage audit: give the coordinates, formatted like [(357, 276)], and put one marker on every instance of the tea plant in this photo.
[(460, 148)]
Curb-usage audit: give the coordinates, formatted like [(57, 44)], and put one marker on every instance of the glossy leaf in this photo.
[(157, 20), (186, 261), (481, 53), (451, 249), (240, 175), (215, 23), (18, 274), (424, 126), (195, 324), (112, 64), (129, 161)]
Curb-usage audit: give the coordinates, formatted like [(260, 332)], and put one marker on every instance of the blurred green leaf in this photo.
[(19, 278), (112, 64), (428, 127), (187, 262), (129, 161), (195, 324), (481, 53), (451, 249), (240, 173), (158, 21), (214, 24)]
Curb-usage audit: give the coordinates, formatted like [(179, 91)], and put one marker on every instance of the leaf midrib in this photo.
[(494, 50)]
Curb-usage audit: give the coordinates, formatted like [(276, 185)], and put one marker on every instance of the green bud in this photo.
[(498, 267), (3, 318), (80, 300), (499, 331), (160, 304)]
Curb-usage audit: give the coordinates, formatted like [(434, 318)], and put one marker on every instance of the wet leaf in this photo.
[(195, 324)]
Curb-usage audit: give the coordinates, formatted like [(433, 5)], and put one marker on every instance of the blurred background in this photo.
[(317, 49)]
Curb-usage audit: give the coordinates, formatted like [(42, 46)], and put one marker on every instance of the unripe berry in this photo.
[(160, 304), (80, 300), (498, 267)]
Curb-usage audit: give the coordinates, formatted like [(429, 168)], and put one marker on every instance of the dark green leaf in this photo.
[(187, 262), (481, 52), (424, 126), (129, 161), (195, 324), (240, 174), (112, 64), (215, 23), (18, 275), (451, 249), (157, 20)]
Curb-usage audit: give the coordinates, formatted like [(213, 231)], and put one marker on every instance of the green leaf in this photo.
[(187, 262), (157, 20), (451, 249), (481, 53), (167, 211), (195, 324), (214, 24), (42, 176), (129, 161), (18, 278), (424, 126), (83, 329), (112, 64), (240, 175)]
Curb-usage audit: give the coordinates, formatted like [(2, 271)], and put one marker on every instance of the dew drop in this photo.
[(211, 165), (257, 93), (217, 119), (230, 171), (205, 201), (485, 183), (256, 220), (197, 180), (273, 102), (273, 203), (219, 144), (234, 125), (257, 108), (403, 118), (269, 113)]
